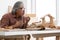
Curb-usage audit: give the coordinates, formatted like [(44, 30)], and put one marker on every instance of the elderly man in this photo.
[(16, 18)]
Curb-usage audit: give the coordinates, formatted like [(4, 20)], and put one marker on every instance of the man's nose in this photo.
[(23, 9)]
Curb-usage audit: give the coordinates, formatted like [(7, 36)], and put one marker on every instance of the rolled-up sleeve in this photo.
[(4, 21)]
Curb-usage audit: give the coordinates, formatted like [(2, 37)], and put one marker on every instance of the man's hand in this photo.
[(26, 19)]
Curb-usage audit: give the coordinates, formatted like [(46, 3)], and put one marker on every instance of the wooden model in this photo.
[(50, 24)]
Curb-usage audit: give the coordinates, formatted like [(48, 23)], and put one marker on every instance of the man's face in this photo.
[(21, 10)]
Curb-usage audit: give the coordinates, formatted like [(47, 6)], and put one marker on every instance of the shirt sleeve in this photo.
[(4, 21)]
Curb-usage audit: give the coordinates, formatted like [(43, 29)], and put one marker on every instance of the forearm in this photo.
[(15, 25), (18, 24), (11, 27)]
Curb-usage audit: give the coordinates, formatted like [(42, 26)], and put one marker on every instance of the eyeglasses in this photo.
[(21, 8)]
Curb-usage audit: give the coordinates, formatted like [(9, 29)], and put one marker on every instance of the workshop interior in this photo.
[(29, 19)]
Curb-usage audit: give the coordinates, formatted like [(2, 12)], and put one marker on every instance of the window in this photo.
[(44, 7)]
